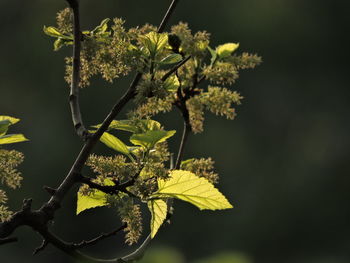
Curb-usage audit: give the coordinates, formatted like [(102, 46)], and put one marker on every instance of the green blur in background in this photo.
[(284, 161)]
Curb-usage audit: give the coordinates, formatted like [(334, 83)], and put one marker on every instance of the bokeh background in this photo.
[(284, 161)]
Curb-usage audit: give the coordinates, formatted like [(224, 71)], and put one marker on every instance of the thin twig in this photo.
[(95, 240), (167, 16), (176, 67), (41, 247), (109, 189), (139, 252), (185, 133), (74, 89)]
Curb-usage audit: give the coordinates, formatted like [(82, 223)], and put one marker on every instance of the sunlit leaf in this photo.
[(154, 42), (4, 125), (158, 210), (114, 143), (54, 32), (134, 126), (226, 50), (10, 119), (213, 54), (150, 138), (172, 83), (188, 187), (95, 199), (12, 138), (171, 59), (102, 27)]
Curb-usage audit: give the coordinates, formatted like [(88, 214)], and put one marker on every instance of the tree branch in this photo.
[(109, 189), (95, 240), (175, 68), (38, 219), (74, 89), (185, 133), (167, 16)]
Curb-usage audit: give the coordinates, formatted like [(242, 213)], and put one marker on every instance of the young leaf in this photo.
[(213, 54), (150, 138), (10, 119), (114, 143), (95, 199), (12, 138), (171, 59), (102, 27), (172, 83), (53, 32), (4, 125), (188, 187), (158, 210), (154, 42), (134, 126), (226, 50)]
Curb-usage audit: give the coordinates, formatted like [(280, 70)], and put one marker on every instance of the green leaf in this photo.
[(214, 55), (95, 199), (150, 138), (4, 125), (171, 59), (188, 187), (102, 27), (134, 126), (186, 162), (159, 211), (226, 50), (10, 119), (172, 83), (12, 138), (54, 32), (114, 143), (154, 42), (59, 42)]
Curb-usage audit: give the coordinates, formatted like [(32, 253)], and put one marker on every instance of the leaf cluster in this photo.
[(140, 171)]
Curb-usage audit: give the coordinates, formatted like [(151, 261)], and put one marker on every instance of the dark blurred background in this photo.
[(284, 161)]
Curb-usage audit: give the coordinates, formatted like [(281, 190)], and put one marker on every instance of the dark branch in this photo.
[(41, 247), (176, 67), (109, 189), (74, 89), (95, 240)]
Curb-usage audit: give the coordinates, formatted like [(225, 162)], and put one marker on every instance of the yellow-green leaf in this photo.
[(158, 210), (102, 27), (114, 143), (188, 187), (226, 50), (154, 41), (12, 138), (134, 126), (150, 138), (172, 83), (171, 59), (4, 125), (95, 199), (10, 119)]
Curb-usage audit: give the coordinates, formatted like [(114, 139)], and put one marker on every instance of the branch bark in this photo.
[(74, 89)]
